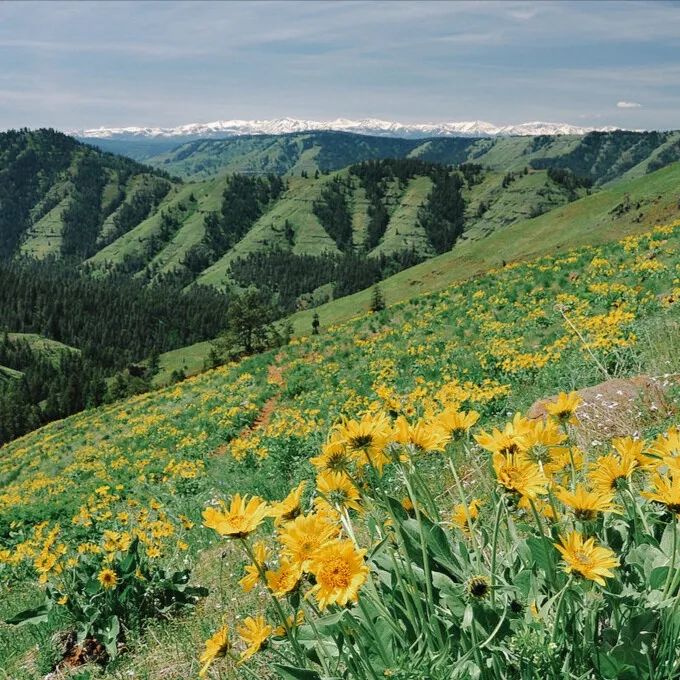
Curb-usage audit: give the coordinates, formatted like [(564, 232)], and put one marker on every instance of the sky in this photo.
[(74, 65)]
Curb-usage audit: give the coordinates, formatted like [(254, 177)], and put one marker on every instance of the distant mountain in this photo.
[(599, 156), (366, 126)]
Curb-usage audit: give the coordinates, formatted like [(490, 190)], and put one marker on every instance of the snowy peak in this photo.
[(368, 126)]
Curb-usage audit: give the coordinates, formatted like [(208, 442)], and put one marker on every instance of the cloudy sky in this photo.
[(81, 64)]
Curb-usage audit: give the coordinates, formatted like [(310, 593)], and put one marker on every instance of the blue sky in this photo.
[(81, 64)]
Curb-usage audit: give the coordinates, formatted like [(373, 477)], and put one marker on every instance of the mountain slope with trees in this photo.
[(599, 156), (123, 262)]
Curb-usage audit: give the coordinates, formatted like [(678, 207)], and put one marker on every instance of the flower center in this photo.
[(337, 574), (361, 441), (583, 558)]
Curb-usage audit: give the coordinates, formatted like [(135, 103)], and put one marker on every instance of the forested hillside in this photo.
[(58, 196), (104, 326)]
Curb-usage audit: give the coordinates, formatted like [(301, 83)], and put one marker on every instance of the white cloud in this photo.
[(628, 105)]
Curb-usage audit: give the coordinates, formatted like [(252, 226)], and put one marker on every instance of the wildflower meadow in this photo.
[(379, 500)]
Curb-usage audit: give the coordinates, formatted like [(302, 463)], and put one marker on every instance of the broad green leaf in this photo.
[(543, 554), (657, 578), (30, 616), (293, 673)]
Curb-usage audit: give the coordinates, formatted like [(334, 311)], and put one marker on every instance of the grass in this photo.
[(296, 206), (523, 198), (7, 374), (134, 242), (44, 238)]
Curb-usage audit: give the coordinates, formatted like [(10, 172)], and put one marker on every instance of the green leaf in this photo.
[(467, 617), (109, 635), (642, 624), (293, 673), (328, 624), (610, 667), (30, 616), (657, 578), (543, 554), (436, 542), (522, 582)]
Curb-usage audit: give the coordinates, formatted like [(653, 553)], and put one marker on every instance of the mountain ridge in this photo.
[(367, 126)]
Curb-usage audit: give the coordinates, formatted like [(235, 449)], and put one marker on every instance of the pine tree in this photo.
[(377, 299)]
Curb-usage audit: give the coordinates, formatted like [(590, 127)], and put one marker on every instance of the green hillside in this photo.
[(8, 374), (62, 198), (174, 238), (627, 208), (79, 203), (600, 156), (45, 346), (72, 216), (76, 493)]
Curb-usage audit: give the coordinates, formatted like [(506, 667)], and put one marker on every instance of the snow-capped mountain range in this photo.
[(368, 126)]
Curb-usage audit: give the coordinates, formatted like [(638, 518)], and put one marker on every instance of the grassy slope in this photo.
[(402, 230), (7, 374), (588, 220), (642, 168), (528, 194), (134, 241), (296, 206), (287, 154), (45, 236), (209, 197), (51, 348), (44, 345), (136, 184), (207, 158)]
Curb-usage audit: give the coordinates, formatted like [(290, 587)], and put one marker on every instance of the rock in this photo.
[(614, 408)]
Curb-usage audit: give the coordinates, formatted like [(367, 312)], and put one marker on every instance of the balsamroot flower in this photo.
[(254, 632), (564, 407), (586, 559), (477, 587), (666, 491), (249, 581), (285, 579), (587, 504), (302, 537), (517, 473), (337, 490), (289, 508), (366, 439), (512, 439), (461, 513), (107, 578), (423, 436), (216, 647), (457, 423), (339, 570), (611, 472), (334, 456), (240, 520)]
